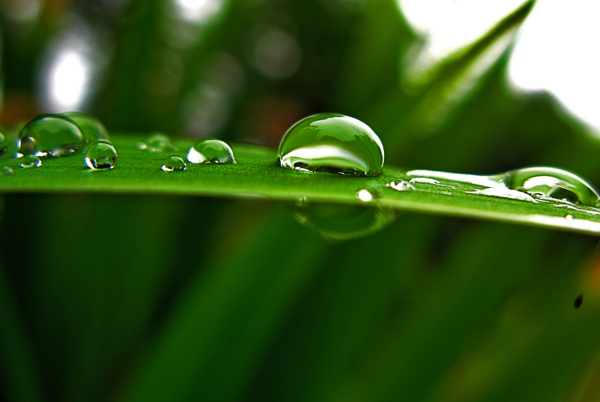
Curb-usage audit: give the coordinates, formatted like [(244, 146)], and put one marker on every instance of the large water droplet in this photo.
[(50, 136), (157, 142), (334, 143), (211, 150), (548, 182), (93, 130), (174, 164), (101, 155), (30, 161)]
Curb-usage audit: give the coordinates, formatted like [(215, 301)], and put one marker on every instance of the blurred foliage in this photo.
[(173, 298)]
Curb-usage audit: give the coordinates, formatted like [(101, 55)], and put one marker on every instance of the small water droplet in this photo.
[(50, 136), (334, 143), (157, 142), (6, 171), (101, 155), (92, 129), (30, 161), (400, 185), (211, 150), (365, 195), (578, 301), (569, 217), (551, 183), (174, 164)]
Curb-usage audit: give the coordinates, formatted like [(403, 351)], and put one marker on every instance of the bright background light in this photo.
[(558, 51)]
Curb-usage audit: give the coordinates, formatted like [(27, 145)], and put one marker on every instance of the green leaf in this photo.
[(256, 175)]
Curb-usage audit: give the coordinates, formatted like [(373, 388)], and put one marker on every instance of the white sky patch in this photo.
[(557, 51)]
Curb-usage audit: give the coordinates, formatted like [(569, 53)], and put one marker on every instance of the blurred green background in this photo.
[(189, 299)]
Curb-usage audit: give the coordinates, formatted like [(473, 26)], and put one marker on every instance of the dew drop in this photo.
[(157, 142), (174, 164), (30, 161), (551, 183), (50, 136), (92, 129), (211, 150), (6, 171), (334, 143), (569, 218), (578, 301), (365, 195), (400, 185), (101, 155)]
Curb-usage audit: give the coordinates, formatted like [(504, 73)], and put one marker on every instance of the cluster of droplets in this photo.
[(56, 136), (322, 143)]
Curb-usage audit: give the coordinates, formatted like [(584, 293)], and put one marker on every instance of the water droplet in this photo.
[(174, 164), (400, 185), (551, 183), (50, 136), (92, 129), (333, 143), (211, 150), (157, 142), (6, 171), (578, 301), (30, 161), (301, 201), (365, 195), (101, 155), (569, 218), (344, 222)]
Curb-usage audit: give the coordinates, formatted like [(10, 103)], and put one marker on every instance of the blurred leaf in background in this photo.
[(173, 298)]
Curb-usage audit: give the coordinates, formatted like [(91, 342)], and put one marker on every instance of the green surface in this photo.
[(256, 175)]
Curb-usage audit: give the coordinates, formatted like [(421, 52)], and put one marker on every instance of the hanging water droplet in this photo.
[(92, 129), (157, 142), (578, 301), (174, 164), (344, 222), (333, 143), (211, 150), (50, 136), (553, 183), (30, 161), (301, 201), (6, 171)]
